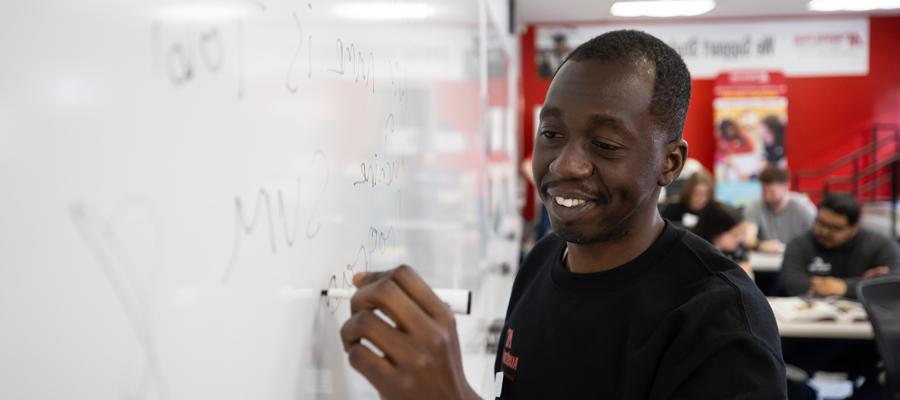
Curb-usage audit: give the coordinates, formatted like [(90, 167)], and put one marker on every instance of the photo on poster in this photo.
[(750, 121)]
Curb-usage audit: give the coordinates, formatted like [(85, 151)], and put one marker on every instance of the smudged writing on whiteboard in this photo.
[(353, 61), (109, 246), (186, 52), (263, 203), (290, 81), (382, 171)]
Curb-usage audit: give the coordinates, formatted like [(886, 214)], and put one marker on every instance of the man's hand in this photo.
[(771, 246), (827, 286), (421, 354), (751, 234), (877, 271)]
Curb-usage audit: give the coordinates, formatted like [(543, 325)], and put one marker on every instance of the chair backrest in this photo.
[(881, 298)]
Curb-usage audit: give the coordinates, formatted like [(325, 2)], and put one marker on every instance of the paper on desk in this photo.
[(796, 309)]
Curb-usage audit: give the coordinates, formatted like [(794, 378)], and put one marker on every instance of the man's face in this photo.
[(832, 229), (775, 195), (596, 158)]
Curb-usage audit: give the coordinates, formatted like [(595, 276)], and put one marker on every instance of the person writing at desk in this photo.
[(831, 260), (780, 215), (837, 254), (725, 228), (617, 303), (697, 194)]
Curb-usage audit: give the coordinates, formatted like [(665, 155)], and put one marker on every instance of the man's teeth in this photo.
[(569, 202)]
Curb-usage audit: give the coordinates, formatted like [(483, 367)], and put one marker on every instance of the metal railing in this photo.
[(868, 172)]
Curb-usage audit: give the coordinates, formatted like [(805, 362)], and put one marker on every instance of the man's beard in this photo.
[(612, 234)]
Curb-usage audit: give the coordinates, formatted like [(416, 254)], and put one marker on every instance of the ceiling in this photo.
[(563, 11)]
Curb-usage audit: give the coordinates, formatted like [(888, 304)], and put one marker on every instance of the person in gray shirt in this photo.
[(837, 254), (778, 216)]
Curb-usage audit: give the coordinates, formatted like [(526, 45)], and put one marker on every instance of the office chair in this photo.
[(881, 298)]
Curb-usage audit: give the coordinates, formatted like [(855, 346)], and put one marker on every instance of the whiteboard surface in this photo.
[(181, 179)]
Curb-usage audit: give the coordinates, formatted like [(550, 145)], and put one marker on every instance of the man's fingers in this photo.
[(366, 325), (378, 371), (814, 285), (406, 278), (361, 279), (877, 271), (421, 293), (386, 295)]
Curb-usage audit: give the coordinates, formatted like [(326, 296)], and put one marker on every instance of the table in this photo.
[(824, 329)]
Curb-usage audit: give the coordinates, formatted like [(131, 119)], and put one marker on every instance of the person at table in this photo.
[(780, 215), (697, 193), (725, 228), (837, 253), (831, 260)]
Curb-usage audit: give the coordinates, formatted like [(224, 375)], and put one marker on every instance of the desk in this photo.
[(824, 329), (765, 262)]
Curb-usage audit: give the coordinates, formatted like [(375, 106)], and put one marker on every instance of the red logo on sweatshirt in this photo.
[(509, 360)]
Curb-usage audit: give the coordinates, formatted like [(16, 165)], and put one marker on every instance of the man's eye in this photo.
[(550, 134), (606, 146)]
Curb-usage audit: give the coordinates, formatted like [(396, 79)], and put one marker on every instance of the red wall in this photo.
[(827, 116)]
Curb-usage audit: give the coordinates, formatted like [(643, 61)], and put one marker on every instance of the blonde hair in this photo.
[(697, 178)]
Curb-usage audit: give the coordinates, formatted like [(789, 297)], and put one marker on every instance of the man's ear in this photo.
[(675, 154)]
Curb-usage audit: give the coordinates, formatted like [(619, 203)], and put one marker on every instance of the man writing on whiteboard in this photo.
[(618, 303)]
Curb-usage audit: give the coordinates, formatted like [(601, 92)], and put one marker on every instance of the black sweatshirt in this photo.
[(680, 321)]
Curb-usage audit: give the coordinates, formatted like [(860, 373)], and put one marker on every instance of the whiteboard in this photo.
[(181, 178)]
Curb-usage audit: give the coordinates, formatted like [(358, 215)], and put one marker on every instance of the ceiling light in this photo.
[(852, 5), (203, 11), (661, 8), (385, 11)]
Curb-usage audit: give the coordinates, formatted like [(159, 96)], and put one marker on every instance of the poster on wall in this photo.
[(750, 117), (800, 47)]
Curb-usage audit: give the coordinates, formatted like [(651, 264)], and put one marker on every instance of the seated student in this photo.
[(778, 216), (671, 192), (725, 228), (698, 192), (831, 259)]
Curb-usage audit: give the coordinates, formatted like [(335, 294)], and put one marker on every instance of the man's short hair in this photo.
[(773, 174), (842, 203), (671, 83)]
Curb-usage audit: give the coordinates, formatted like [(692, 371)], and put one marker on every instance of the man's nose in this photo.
[(573, 162)]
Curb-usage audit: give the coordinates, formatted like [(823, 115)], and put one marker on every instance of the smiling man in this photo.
[(616, 304)]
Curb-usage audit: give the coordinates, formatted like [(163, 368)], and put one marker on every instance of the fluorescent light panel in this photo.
[(385, 11), (661, 8), (852, 5), (201, 11)]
